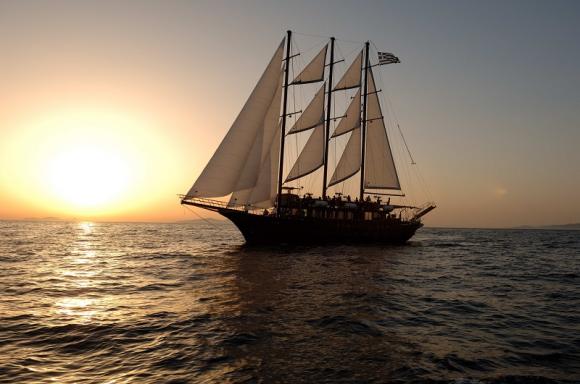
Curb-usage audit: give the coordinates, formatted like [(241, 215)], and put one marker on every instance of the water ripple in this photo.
[(189, 303)]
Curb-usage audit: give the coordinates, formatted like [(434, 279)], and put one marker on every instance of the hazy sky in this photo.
[(488, 94)]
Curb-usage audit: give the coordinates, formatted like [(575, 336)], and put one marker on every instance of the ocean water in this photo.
[(188, 303)]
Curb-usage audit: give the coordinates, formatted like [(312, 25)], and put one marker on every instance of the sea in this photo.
[(84, 302)]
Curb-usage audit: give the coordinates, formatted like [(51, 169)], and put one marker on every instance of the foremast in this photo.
[(328, 108), (283, 123)]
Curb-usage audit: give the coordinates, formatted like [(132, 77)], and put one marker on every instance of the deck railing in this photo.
[(422, 210), (407, 212), (211, 203)]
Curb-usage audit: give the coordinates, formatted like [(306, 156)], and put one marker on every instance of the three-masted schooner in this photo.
[(248, 165)]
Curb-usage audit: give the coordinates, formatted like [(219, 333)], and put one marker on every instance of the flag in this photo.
[(387, 58)]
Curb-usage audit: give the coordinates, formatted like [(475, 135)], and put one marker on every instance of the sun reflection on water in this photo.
[(81, 271), (82, 308), (85, 258), (86, 226)]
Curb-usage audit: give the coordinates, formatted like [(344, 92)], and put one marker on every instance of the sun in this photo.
[(87, 162), (88, 176)]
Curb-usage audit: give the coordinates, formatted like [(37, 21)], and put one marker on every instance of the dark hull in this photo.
[(258, 229)]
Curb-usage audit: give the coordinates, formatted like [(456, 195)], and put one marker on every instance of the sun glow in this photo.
[(86, 163), (88, 176), (91, 166)]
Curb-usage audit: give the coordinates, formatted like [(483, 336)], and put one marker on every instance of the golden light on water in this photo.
[(79, 271), (79, 308), (86, 276)]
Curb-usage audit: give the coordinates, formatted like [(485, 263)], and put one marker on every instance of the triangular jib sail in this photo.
[(380, 170), (313, 115), (352, 76), (349, 163), (237, 163), (314, 71), (351, 120), (312, 156)]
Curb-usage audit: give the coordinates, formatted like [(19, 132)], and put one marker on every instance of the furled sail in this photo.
[(380, 171), (314, 71), (227, 170), (351, 120), (352, 76), (312, 156), (349, 162), (313, 115)]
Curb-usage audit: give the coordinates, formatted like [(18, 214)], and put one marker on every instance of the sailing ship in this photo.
[(248, 165)]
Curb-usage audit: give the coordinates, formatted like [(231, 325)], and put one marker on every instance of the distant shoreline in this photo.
[(567, 227), (575, 226)]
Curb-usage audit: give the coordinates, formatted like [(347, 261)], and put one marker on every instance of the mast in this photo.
[(328, 105), (364, 124), (283, 133)]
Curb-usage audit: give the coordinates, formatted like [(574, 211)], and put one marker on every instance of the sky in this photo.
[(139, 94)]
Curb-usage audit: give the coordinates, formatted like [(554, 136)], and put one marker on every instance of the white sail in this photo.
[(313, 115), (262, 143), (263, 193), (266, 189), (314, 71), (248, 176), (351, 120), (349, 163), (352, 76), (221, 175), (312, 156), (380, 171), (256, 183)]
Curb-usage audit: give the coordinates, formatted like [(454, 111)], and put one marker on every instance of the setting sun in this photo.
[(86, 161), (88, 176)]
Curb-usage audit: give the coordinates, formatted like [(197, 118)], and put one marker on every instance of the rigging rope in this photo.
[(406, 146), (422, 184), (328, 37), (201, 217)]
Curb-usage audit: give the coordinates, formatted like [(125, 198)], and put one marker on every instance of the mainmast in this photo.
[(364, 124), (328, 105), (283, 133)]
